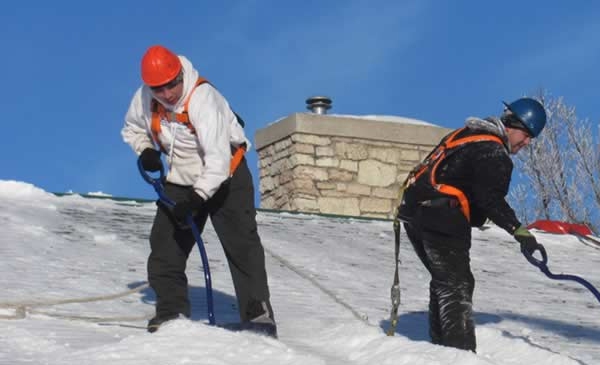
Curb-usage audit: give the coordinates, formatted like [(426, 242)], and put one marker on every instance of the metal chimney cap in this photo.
[(318, 104)]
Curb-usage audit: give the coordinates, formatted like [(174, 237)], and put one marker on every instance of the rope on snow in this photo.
[(361, 317), (22, 308)]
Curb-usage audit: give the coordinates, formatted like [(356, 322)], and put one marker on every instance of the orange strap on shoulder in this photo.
[(438, 154), (160, 112), (475, 138), (155, 124), (201, 80)]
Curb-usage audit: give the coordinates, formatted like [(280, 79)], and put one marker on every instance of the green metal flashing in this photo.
[(115, 198), (275, 211), (326, 215)]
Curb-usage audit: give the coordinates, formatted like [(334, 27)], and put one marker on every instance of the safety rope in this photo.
[(23, 308), (361, 317), (542, 265), (395, 290)]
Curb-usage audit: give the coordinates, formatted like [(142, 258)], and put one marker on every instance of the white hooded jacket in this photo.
[(201, 160)]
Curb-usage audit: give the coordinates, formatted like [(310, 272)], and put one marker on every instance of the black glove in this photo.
[(191, 205), (150, 160), (526, 239)]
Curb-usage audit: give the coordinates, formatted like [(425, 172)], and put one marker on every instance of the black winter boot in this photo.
[(261, 319), (157, 321)]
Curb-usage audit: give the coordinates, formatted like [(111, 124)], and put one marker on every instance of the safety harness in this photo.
[(159, 112), (427, 170)]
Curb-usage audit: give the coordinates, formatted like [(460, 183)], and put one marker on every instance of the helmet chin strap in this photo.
[(503, 125)]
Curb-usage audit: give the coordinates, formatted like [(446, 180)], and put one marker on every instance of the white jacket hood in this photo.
[(490, 125), (190, 76)]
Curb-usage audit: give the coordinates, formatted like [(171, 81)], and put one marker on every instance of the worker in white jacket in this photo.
[(178, 114)]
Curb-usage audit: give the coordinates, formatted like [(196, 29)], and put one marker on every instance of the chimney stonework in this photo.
[(344, 165)]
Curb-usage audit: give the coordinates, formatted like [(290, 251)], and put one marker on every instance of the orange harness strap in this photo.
[(440, 151), (159, 112), (236, 159), (438, 156)]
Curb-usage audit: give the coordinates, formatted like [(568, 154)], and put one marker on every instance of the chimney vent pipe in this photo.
[(318, 104)]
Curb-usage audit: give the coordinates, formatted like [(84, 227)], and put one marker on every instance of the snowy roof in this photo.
[(329, 280)]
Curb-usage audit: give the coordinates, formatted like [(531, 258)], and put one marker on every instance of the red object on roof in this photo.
[(559, 227)]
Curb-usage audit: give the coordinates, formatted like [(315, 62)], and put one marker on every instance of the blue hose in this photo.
[(542, 265), (158, 187)]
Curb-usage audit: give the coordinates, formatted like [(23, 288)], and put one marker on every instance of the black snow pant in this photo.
[(450, 289), (233, 216)]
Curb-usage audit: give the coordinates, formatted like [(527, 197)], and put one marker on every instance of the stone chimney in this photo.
[(339, 164)]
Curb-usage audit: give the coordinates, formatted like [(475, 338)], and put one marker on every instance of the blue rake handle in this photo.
[(542, 265), (158, 187)]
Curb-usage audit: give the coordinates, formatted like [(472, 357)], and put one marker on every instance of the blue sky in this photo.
[(69, 68)]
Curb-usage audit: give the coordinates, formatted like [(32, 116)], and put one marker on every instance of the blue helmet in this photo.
[(530, 113)]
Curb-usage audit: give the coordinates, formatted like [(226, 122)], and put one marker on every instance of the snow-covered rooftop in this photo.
[(329, 278)]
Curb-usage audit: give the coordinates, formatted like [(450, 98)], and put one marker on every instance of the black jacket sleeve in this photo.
[(493, 169)]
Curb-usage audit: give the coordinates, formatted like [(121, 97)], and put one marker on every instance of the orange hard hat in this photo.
[(159, 66)]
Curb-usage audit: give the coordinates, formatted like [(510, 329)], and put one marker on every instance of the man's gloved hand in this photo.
[(150, 160), (192, 204), (526, 239)]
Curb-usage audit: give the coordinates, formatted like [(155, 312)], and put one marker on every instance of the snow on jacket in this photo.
[(201, 160)]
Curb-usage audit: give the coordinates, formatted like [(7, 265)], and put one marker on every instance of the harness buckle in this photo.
[(440, 203)]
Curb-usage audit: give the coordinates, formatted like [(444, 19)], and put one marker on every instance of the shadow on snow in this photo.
[(415, 326)]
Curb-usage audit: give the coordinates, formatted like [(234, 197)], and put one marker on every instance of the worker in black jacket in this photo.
[(463, 182)]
